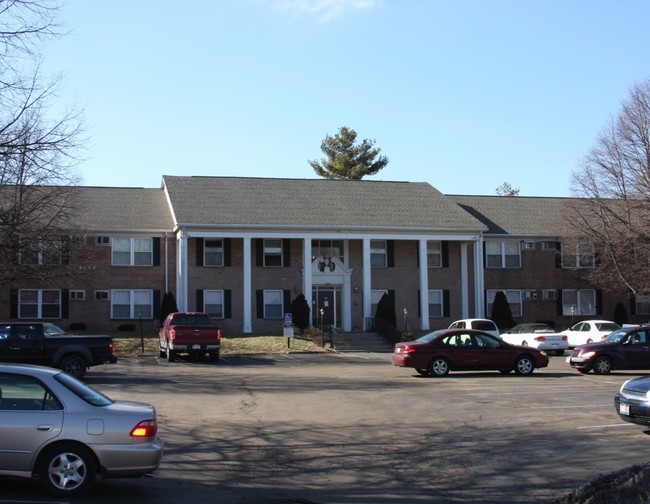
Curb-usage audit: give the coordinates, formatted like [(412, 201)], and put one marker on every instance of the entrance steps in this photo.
[(360, 342)]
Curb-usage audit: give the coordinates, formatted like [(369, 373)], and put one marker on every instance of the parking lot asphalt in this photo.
[(351, 428)]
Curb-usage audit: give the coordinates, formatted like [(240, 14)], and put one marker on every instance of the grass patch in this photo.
[(127, 344)]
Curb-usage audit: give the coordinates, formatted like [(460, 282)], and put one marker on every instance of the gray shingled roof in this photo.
[(517, 215), (123, 208), (341, 204)]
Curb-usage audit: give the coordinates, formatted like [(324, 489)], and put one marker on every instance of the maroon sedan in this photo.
[(439, 352)]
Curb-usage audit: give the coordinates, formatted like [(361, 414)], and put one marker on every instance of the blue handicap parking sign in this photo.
[(288, 319)]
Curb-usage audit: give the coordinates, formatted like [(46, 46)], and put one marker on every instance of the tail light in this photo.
[(565, 338), (219, 335), (172, 333), (406, 349), (145, 429), (540, 338), (110, 347)]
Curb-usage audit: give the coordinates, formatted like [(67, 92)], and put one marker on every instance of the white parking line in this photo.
[(607, 426)]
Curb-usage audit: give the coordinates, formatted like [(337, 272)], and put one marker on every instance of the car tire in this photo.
[(602, 366), (161, 352), (590, 341), (524, 365), (67, 469), (423, 372), (439, 367), (74, 365)]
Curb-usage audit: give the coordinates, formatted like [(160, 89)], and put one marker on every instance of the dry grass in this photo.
[(127, 344)]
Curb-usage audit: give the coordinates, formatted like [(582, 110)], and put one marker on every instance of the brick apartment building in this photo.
[(243, 248)]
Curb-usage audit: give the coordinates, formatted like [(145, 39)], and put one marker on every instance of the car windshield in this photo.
[(428, 337), (88, 394), (607, 326), (616, 337)]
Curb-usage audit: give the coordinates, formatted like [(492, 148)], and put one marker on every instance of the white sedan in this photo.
[(589, 331), (538, 335)]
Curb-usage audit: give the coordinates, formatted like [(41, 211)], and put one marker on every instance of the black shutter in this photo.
[(13, 304), (286, 253), (259, 295), (259, 252), (227, 251), (199, 251), (391, 298), (287, 301), (599, 302), (156, 251), (559, 302), (156, 304), (390, 252), (446, 301), (417, 255), (65, 303), (227, 304), (558, 255), (199, 300), (445, 254)]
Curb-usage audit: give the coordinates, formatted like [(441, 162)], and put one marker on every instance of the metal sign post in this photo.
[(288, 329)]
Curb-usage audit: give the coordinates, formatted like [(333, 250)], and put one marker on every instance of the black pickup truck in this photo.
[(26, 342)]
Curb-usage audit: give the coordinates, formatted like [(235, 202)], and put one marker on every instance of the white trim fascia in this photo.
[(169, 201), (141, 231), (334, 228)]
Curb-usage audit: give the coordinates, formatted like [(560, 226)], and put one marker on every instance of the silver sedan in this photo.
[(67, 433)]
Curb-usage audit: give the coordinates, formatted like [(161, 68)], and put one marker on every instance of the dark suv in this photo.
[(625, 348)]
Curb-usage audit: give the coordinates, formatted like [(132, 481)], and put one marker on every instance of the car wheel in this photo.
[(590, 341), (439, 367), (524, 343), (602, 365), (524, 366), (214, 356), (74, 365), (67, 469), (559, 353), (423, 372)]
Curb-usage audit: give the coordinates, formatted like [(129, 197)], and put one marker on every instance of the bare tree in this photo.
[(38, 153), (506, 189), (613, 184)]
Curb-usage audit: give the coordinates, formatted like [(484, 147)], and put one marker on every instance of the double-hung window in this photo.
[(514, 298), (272, 252), (213, 253), (434, 254), (581, 255), (42, 252), (436, 308), (132, 251), (580, 302), (503, 254), (213, 303), (273, 304), (39, 303), (131, 304), (378, 253)]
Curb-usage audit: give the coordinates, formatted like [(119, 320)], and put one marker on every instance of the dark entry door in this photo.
[(325, 301)]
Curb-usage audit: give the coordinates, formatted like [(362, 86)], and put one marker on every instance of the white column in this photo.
[(248, 316), (367, 286), (464, 286), (479, 281), (424, 286), (307, 277), (181, 271)]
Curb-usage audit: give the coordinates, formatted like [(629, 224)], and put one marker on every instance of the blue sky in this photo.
[(463, 94)]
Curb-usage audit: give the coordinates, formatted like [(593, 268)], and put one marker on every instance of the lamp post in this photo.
[(406, 323), (322, 332)]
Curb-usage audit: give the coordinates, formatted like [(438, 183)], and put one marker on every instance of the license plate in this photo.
[(196, 347), (624, 409)]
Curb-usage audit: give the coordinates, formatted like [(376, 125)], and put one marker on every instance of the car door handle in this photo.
[(45, 428)]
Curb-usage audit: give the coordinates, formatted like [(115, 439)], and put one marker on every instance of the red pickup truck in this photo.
[(191, 333)]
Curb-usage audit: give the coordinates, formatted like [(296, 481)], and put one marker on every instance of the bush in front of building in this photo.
[(300, 311), (501, 313)]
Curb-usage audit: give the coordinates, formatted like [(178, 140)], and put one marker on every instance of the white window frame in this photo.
[(135, 300), (579, 258), (213, 252), (328, 248), (40, 300), (434, 254), (273, 256), (39, 253), (530, 294), (273, 298), (130, 251), (378, 254), (528, 245), (642, 302), (514, 297), (580, 302), (436, 303), (103, 240), (102, 295), (500, 255), (214, 298), (77, 295)]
